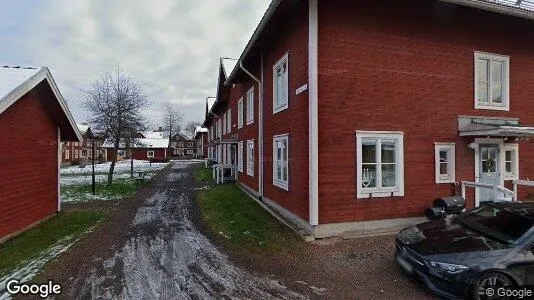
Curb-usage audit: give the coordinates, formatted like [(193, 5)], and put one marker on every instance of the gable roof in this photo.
[(15, 82), (83, 127)]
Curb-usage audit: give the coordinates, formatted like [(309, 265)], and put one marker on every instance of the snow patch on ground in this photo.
[(32, 268), (120, 167)]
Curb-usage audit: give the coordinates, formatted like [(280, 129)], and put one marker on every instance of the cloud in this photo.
[(171, 47)]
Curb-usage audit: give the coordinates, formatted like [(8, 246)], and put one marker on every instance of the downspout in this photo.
[(260, 122), (59, 158), (313, 99)]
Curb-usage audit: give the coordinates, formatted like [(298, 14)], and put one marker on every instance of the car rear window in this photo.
[(509, 224)]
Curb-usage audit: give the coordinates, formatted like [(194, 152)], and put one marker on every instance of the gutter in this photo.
[(495, 7), (259, 29), (260, 121)]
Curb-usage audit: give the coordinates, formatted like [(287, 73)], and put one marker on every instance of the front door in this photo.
[(489, 170)]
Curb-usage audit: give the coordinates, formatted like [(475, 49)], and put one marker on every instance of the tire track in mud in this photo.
[(167, 257)]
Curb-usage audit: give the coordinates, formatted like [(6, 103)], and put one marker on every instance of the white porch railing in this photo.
[(523, 183), (219, 173), (499, 193)]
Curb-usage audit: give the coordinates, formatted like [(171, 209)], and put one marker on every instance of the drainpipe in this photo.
[(260, 121)]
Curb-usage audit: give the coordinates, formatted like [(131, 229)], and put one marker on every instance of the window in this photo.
[(84, 153), (250, 106), (180, 144), (76, 153), (150, 153), (492, 81), (280, 84), (240, 113), (219, 128), (380, 164), (189, 144), (90, 153), (67, 154), (189, 152), (240, 157), (250, 158), (229, 121), (445, 162), (511, 161), (224, 124), (281, 161)]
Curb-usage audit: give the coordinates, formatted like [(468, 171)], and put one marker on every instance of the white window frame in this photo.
[(240, 114), (276, 107), (229, 121), (506, 82), (250, 158), (250, 106), (514, 148), (189, 152), (278, 182), (76, 153), (150, 153), (219, 128), (450, 148), (224, 124), (240, 157), (377, 192), (67, 154)]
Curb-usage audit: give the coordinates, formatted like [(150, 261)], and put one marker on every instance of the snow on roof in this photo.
[(83, 127), (154, 143), (11, 78), (201, 129), (186, 135), (228, 66), (153, 134), (518, 8), (522, 4)]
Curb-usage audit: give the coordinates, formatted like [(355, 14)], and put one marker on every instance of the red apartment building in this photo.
[(74, 152), (201, 141), (363, 112)]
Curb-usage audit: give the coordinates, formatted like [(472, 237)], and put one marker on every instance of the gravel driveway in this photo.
[(165, 256)]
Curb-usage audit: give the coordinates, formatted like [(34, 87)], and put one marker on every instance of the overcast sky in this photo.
[(172, 47)]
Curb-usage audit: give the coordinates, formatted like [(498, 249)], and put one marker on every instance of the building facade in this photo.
[(343, 113), (183, 146)]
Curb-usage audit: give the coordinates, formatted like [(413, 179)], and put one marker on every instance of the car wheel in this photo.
[(487, 285)]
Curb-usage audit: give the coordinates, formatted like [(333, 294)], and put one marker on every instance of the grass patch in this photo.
[(83, 192), (203, 174), (65, 227), (241, 222)]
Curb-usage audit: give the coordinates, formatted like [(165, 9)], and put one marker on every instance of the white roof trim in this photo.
[(496, 7), (13, 96)]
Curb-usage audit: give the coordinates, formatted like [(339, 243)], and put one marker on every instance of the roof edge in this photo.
[(259, 29), (494, 7)]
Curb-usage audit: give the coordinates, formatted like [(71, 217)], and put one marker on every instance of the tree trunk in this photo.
[(113, 161), (131, 164)]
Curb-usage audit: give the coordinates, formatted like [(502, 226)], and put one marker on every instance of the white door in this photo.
[(489, 168)]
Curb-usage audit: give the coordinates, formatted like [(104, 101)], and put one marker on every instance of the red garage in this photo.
[(34, 120)]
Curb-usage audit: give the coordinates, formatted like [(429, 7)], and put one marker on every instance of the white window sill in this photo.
[(250, 122), (281, 184), (510, 177), (280, 108), (445, 180), (479, 105), (250, 174), (380, 193)]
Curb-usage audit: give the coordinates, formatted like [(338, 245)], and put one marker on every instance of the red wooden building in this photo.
[(355, 115), (150, 145), (201, 141), (75, 152), (34, 121)]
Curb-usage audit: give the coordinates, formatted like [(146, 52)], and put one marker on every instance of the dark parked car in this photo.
[(487, 250)]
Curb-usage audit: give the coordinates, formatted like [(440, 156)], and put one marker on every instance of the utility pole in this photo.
[(93, 175)]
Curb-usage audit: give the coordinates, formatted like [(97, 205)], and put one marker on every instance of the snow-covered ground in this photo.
[(120, 167)]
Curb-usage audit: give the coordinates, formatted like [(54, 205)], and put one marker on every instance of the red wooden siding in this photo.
[(28, 164), (408, 66)]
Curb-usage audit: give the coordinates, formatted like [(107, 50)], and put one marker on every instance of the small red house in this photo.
[(356, 115), (32, 111), (150, 145)]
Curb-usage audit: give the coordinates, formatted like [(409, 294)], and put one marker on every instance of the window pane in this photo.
[(369, 151), (443, 169), (368, 176), (496, 71), (284, 145), (482, 91), (388, 151), (496, 93), (388, 175), (508, 167), (508, 155), (443, 156), (482, 70)]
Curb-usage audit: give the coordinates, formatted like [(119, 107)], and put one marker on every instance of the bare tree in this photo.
[(116, 102), (172, 120), (191, 127)]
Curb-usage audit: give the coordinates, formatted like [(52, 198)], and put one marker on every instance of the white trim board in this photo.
[(313, 100)]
